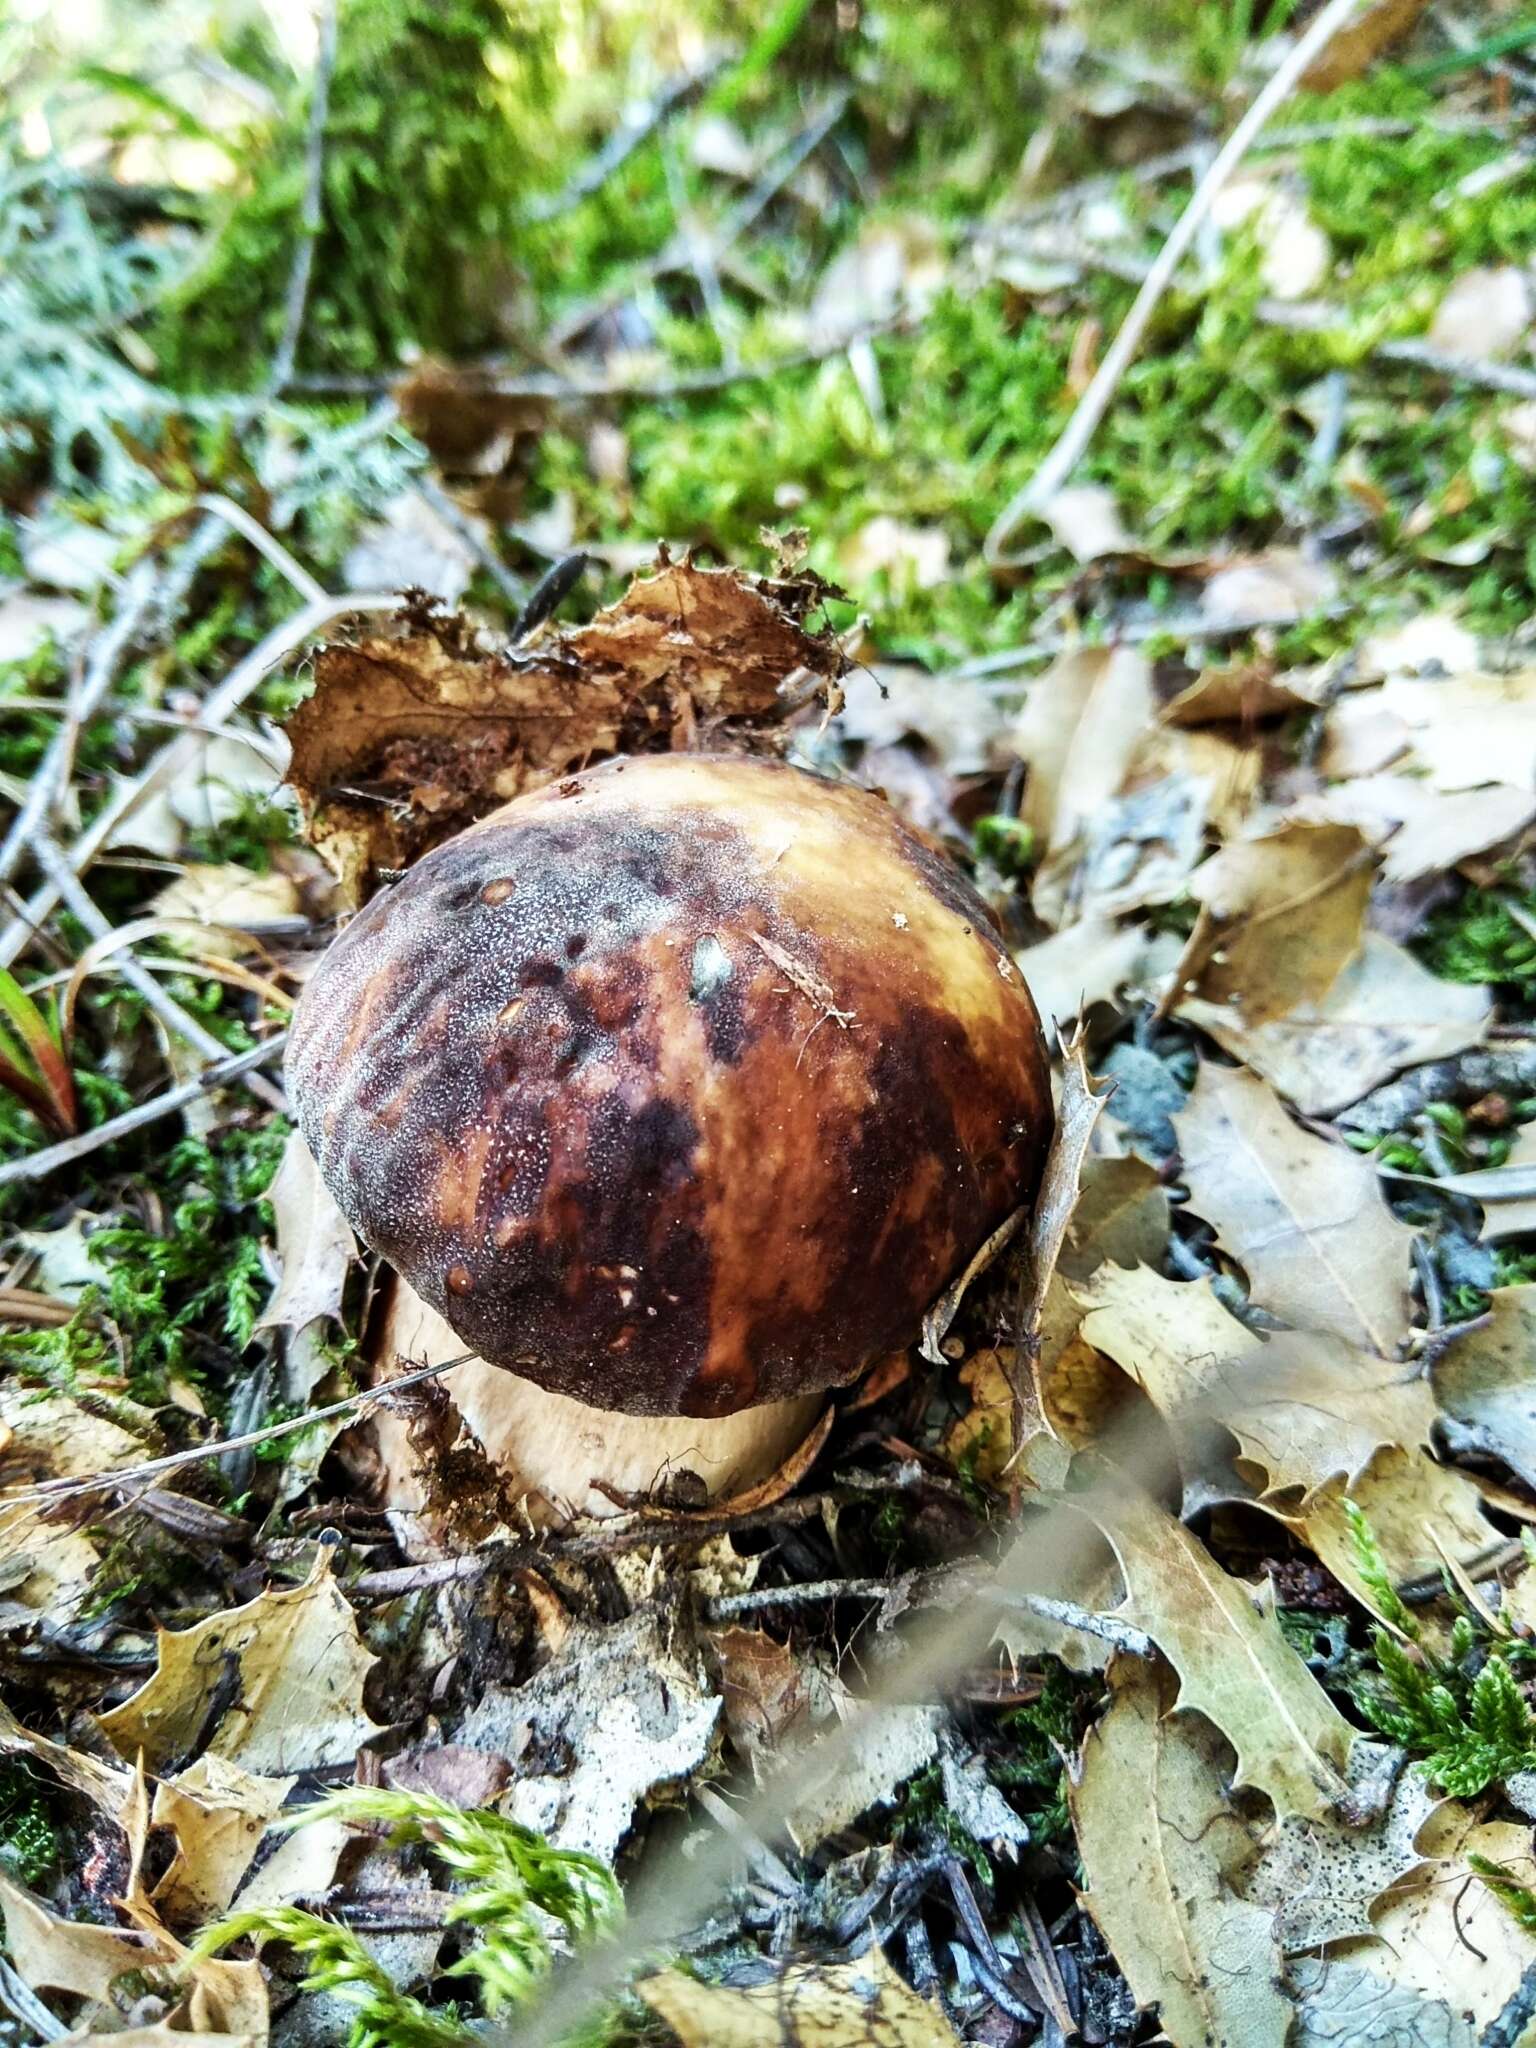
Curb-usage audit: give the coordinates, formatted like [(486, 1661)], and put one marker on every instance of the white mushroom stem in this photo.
[(551, 1452)]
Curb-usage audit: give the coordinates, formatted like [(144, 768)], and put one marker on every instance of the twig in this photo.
[(312, 213), (179, 1022), (1419, 355), (101, 670), (680, 384), (231, 514), (1079, 430), (37, 1165), (439, 502), (178, 756), (729, 1606), (635, 130), (201, 1454), (1181, 627)]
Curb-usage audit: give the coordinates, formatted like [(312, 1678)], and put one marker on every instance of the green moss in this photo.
[(31, 1848), (1479, 940), (1038, 1735), (433, 111)]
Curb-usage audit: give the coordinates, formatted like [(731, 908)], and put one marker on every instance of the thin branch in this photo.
[(179, 1022), (312, 214), (679, 384), (1079, 431), (37, 1165), (636, 129), (179, 756), (48, 1490), (264, 543), (49, 776)]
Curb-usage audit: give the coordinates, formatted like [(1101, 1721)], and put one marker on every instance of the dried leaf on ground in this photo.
[(1277, 586), (620, 1715), (1160, 1843), (912, 557), (218, 1812), (49, 1436), (284, 1674), (413, 732), (1088, 962), (1304, 1407), (1441, 1935), (763, 1688), (802, 2005), (1320, 1879), (1245, 693), (1484, 315), (315, 1245), (1354, 47), (1294, 254), (1086, 521), (1421, 830), (1234, 1665), (1485, 1380), (1412, 1503), (1469, 731), (1077, 736), (1280, 919), (233, 898), (1384, 1012), (1306, 1219)]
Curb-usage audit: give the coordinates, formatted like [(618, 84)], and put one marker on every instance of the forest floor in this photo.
[(1148, 1654)]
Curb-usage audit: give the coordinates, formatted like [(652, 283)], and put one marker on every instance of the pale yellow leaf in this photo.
[(1383, 1012), (1159, 1842), (1234, 1665), (1077, 736), (1411, 1503), (1487, 1379), (1280, 919), (301, 1665), (315, 1245), (864, 2004), (219, 1813), (1306, 1219)]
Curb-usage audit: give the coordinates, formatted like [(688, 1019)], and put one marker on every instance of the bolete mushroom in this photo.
[(675, 1091)]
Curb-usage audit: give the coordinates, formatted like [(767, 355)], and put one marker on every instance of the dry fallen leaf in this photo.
[(1305, 1408), (1484, 315), (1485, 1380), (892, 1744), (1359, 41), (298, 1668), (1320, 1879), (1244, 693), (1077, 736), (1405, 1495), (802, 2005), (315, 1246), (1084, 963), (1234, 1665), (1277, 586), (1469, 730), (912, 557), (1383, 1012), (1421, 830), (1086, 521), (219, 1813), (1305, 1219), (1160, 1844), (1280, 918), (1442, 1935), (414, 732)]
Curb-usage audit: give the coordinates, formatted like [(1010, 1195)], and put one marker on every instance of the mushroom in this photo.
[(674, 1091)]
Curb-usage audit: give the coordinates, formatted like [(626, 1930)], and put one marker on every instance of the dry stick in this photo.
[(626, 139), (48, 778), (181, 752), (312, 215), (181, 1023), (38, 1165), (201, 1454), (1079, 430), (264, 543)]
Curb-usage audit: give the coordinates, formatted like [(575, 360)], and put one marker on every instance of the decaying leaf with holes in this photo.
[(415, 732), (1161, 1845), (276, 1686)]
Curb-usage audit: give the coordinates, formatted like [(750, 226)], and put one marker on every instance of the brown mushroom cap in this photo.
[(678, 1086)]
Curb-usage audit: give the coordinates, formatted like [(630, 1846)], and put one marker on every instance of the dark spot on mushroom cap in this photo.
[(616, 1141)]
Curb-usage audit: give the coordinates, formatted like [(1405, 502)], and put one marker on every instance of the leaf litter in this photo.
[(1262, 1335)]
